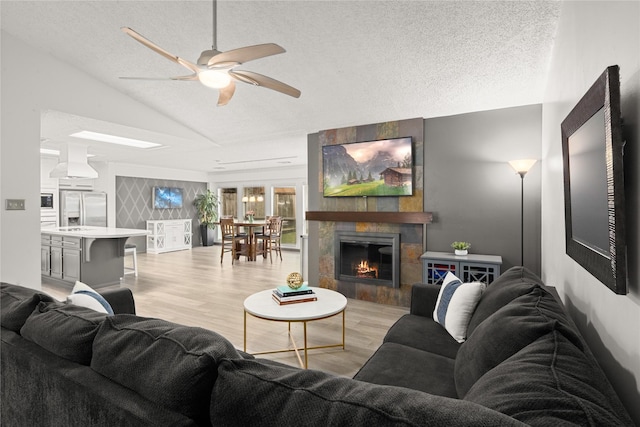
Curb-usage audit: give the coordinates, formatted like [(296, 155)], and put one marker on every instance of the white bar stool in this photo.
[(131, 249)]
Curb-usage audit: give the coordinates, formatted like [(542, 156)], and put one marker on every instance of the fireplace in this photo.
[(372, 258)]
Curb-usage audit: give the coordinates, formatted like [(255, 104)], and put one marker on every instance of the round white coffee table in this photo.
[(329, 304)]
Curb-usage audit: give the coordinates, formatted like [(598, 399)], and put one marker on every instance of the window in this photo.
[(284, 205), (253, 200), (228, 202)]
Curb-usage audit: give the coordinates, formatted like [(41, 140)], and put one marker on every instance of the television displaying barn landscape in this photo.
[(371, 168)]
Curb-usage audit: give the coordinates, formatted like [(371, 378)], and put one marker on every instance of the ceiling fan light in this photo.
[(215, 79)]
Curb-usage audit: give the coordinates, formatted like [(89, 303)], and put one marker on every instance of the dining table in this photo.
[(252, 243)]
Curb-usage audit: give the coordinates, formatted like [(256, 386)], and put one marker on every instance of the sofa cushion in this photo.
[(17, 303), (42, 389), (424, 334), (64, 329), (167, 363), (455, 305), (84, 296), (550, 382), (262, 393), (511, 284), (399, 365), (507, 331)]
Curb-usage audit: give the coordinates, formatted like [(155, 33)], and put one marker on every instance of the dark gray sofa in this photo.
[(523, 362), (523, 357)]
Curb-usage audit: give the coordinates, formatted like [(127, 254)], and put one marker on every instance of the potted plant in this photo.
[(207, 207), (461, 248)]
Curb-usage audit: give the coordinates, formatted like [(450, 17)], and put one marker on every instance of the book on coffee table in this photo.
[(294, 299), (286, 291)]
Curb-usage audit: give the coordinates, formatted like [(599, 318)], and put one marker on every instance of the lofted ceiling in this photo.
[(356, 62)]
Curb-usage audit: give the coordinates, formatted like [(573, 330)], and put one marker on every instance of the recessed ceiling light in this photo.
[(112, 139), (50, 152), (258, 160)]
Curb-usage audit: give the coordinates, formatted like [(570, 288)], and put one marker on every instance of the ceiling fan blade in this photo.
[(190, 65), (187, 78), (148, 43), (151, 45), (226, 93), (260, 80), (244, 54), (190, 77)]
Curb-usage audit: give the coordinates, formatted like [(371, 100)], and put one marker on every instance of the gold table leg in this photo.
[(343, 329), (306, 360), (303, 364)]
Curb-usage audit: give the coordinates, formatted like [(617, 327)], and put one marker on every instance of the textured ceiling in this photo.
[(356, 62)]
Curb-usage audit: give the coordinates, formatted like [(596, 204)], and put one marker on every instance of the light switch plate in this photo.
[(14, 204)]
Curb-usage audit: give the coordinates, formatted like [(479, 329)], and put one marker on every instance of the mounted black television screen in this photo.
[(592, 151), (372, 168), (167, 198)]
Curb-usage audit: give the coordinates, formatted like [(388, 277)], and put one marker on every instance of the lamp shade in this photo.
[(522, 166), (245, 199), (252, 199)]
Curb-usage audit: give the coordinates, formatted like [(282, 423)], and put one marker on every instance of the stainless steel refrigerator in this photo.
[(83, 208)]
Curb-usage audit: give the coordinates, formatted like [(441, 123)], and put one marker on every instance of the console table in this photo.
[(168, 235), (469, 268)]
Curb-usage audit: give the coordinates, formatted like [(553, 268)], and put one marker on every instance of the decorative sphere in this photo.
[(294, 280)]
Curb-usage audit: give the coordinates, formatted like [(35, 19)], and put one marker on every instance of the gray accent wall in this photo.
[(473, 191), (134, 205)]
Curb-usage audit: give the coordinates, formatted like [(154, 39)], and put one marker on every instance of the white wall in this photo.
[(592, 36), (27, 90)]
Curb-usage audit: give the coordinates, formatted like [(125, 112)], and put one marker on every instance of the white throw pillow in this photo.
[(84, 296), (456, 304)]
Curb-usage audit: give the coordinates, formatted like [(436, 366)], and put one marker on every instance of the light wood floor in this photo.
[(193, 288)]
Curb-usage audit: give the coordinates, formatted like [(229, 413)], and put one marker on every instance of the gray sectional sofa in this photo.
[(524, 362)]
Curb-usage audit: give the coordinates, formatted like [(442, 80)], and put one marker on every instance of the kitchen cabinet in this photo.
[(92, 255), (60, 257), (71, 259), (56, 262), (45, 256)]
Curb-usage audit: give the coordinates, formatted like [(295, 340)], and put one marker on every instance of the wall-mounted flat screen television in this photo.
[(167, 198), (370, 168), (592, 150)]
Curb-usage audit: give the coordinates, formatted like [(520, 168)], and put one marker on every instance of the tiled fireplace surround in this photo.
[(350, 214)]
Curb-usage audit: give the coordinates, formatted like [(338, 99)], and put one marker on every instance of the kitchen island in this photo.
[(92, 255)]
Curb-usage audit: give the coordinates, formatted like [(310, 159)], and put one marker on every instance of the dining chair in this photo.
[(231, 239), (271, 237)]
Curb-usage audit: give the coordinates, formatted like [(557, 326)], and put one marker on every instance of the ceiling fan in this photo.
[(217, 69)]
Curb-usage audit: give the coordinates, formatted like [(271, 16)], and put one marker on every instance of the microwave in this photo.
[(46, 200)]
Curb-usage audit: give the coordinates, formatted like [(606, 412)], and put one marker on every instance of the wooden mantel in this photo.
[(382, 217)]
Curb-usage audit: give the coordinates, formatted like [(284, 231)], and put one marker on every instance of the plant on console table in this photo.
[(461, 248), (207, 206)]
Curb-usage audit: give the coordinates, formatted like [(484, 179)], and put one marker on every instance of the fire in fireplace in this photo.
[(364, 270), (372, 258)]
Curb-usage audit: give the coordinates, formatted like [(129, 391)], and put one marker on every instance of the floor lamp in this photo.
[(522, 167)]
